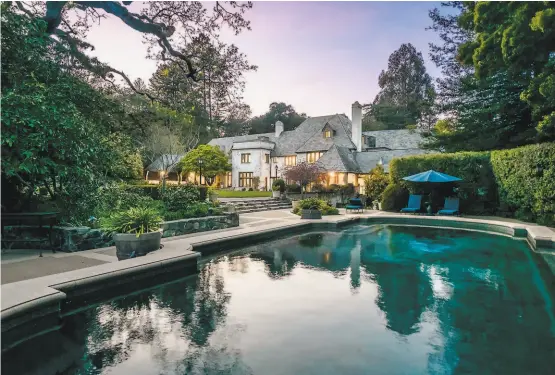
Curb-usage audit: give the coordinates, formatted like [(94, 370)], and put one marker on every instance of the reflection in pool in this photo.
[(367, 300)]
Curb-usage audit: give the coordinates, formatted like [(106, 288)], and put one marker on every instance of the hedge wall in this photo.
[(525, 177), (522, 179), (477, 191)]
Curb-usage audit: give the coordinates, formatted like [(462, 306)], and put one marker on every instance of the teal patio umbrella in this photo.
[(431, 176)]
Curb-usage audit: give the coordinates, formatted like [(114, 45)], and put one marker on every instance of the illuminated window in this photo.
[(229, 179), (267, 158), (311, 157), (291, 160), (245, 158), (245, 179), (327, 134)]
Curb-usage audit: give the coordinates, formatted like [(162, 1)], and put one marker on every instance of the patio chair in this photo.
[(355, 204), (451, 207), (415, 201)]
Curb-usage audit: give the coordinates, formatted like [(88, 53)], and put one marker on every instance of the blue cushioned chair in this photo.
[(451, 207), (415, 201), (355, 204)]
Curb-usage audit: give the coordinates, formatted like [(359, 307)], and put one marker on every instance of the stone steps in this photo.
[(257, 205)]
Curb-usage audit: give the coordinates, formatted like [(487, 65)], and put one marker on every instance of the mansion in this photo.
[(334, 142)]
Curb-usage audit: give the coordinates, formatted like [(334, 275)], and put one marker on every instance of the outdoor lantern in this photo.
[(276, 170)]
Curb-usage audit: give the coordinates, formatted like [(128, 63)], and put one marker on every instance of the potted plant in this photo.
[(278, 188), (310, 208), (136, 231)]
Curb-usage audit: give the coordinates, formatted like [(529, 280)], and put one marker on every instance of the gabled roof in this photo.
[(168, 161), (339, 159), (396, 139), (308, 136)]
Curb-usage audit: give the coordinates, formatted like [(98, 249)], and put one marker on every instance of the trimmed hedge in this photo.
[(395, 197), (477, 190), (525, 177)]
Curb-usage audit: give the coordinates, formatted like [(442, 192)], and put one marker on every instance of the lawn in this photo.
[(242, 194)]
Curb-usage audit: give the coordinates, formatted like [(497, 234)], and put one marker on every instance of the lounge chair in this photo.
[(451, 207), (355, 204), (415, 201)]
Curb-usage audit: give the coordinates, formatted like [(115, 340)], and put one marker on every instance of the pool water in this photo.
[(366, 300)]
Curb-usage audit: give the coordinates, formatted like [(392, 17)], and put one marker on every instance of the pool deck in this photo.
[(29, 281), (19, 265)]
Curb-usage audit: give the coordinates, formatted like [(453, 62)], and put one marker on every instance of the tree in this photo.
[(158, 21), (214, 161), (406, 90), (485, 112), (304, 173), (518, 39), (58, 133), (277, 112)]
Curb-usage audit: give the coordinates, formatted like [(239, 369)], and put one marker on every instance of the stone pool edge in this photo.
[(38, 303)]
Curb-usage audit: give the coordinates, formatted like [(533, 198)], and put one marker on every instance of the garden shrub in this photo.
[(180, 197), (197, 209), (293, 188), (375, 184), (525, 177), (279, 185), (114, 197), (315, 203), (395, 197), (477, 190)]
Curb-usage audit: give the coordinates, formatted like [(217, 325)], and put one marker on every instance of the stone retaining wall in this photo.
[(199, 224), (72, 239)]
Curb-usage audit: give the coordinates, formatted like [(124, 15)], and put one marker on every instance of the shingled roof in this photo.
[(369, 159), (340, 151), (398, 139), (339, 159)]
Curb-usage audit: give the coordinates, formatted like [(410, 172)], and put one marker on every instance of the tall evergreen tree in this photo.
[(406, 90), (484, 89)]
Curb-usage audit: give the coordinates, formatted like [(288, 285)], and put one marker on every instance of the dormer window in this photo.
[(369, 141), (328, 133)]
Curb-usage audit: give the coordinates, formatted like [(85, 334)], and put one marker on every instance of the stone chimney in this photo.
[(279, 128), (357, 125)]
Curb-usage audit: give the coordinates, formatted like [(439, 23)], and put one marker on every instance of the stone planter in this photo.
[(127, 244), (311, 214), (294, 204), (276, 194)]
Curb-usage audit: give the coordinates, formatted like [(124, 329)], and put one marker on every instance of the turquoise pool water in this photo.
[(366, 300)]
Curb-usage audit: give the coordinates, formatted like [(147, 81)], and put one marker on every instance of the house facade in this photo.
[(335, 142)]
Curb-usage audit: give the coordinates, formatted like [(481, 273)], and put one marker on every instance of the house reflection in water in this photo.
[(404, 287)]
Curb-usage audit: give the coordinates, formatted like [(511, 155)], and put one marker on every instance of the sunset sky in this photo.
[(318, 56)]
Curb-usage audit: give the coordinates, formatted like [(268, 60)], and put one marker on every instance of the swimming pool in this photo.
[(365, 300)]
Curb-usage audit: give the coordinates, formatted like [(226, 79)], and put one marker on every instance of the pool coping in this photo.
[(28, 300)]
